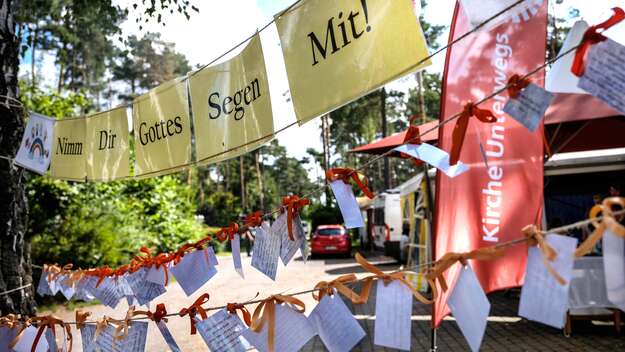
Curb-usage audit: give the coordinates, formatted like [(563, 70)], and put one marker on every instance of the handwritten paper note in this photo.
[(43, 288), (604, 76), (27, 340), (212, 258), (266, 251), (347, 204), (614, 267), (51, 340), (84, 288), (143, 290), (222, 332), (543, 299), (134, 342), (157, 275), (335, 324), (530, 106), (108, 293), (193, 271), (87, 335), (433, 156), (288, 248), (292, 331), (393, 309), (6, 337), (470, 307), (65, 286), (169, 338), (236, 254)]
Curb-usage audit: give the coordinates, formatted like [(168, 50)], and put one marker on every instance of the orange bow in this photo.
[(607, 222), (160, 260), (293, 204), (228, 232), (232, 309), (254, 219), (516, 84), (326, 288), (265, 312), (48, 321), (536, 238), (194, 309), (460, 129), (344, 174), (591, 37)]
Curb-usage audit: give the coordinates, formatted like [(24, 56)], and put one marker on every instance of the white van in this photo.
[(385, 223)]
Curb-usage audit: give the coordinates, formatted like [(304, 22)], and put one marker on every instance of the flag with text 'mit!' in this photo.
[(503, 190)]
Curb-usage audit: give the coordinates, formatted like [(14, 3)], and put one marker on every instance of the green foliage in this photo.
[(52, 103)]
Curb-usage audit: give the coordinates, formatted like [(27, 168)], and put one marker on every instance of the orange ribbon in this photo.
[(449, 259), (194, 309), (326, 288), (160, 260), (227, 232), (265, 313), (387, 278), (233, 307), (460, 130), (293, 204), (81, 318), (536, 238), (591, 37), (344, 174), (516, 84), (608, 222), (48, 321), (254, 219)]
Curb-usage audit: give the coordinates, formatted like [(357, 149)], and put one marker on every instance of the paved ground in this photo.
[(505, 330)]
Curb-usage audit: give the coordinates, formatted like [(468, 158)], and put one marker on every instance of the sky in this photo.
[(221, 24)]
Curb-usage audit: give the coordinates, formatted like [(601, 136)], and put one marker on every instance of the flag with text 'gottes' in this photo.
[(503, 190)]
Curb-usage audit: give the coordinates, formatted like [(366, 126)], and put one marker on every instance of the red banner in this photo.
[(493, 201)]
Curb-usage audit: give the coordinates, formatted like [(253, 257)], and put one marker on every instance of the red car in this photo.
[(331, 239)]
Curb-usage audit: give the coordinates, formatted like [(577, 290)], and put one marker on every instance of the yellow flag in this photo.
[(337, 51), (161, 129), (231, 106), (69, 150), (109, 150)]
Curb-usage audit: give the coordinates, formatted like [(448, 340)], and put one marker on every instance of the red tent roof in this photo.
[(565, 109)]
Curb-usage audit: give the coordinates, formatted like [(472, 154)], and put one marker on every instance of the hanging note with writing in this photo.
[(393, 309), (335, 324), (222, 332), (133, 342), (143, 290), (236, 254), (288, 248), (27, 340), (193, 271), (433, 156), (543, 299), (614, 267), (292, 331), (169, 338), (266, 251), (529, 107)]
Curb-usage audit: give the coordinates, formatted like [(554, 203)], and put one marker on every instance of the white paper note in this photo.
[(393, 309), (212, 258), (530, 106), (236, 254), (169, 338), (43, 288), (470, 307), (36, 149), (543, 299), (144, 291), (66, 287), (108, 292), (25, 343), (51, 340), (604, 76), (84, 288), (347, 204), (292, 331), (560, 79), (222, 332), (87, 335), (433, 156), (193, 271), (134, 342), (614, 267), (6, 337), (335, 324), (157, 275), (288, 248), (266, 251)]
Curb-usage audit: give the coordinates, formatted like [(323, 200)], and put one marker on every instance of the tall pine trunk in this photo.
[(15, 262)]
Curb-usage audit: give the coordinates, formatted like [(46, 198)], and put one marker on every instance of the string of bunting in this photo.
[(265, 311)]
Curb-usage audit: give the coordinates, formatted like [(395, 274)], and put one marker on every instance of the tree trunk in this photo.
[(387, 174), (33, 56), (259, 178), (15, 264), (325, 137), (242, 179)]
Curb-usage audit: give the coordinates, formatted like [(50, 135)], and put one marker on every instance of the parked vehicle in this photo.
[(331, 239), (385, 223)]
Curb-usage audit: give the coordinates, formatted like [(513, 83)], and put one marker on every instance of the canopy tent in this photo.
[(573, 122)]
